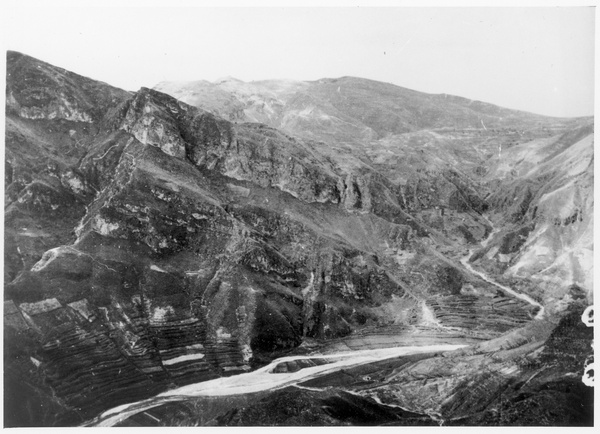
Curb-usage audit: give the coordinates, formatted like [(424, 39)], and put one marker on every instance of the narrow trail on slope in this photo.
[(465, 261)]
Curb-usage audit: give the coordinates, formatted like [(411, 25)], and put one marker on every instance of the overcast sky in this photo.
[(534, 59)]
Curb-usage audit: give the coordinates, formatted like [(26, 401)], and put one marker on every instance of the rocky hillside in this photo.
[(150, 243), (544, 206)]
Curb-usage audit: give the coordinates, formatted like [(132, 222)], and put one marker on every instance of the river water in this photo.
[(524, 297), (264, 379)]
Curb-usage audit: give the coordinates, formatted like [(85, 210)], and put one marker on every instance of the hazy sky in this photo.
[(534, 59)]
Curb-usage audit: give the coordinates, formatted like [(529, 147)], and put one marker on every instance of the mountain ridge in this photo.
[(389, 90), (464, 100)]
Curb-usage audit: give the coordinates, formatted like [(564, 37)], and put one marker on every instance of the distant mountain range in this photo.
[(343, 109)]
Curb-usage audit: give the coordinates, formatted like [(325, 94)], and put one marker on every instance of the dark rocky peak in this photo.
[(246, 152), (38, 90), (308, 170), (154, 119)]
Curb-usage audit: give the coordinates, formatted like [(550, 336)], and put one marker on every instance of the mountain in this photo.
[(154, 241), (334, 108)]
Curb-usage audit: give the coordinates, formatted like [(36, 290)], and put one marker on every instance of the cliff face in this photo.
[(544, 203), (150, 243)]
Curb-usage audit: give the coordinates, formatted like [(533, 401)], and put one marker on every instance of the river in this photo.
[(468, 266), (264, 379)]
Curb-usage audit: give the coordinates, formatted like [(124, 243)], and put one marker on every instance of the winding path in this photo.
[(465, 261)]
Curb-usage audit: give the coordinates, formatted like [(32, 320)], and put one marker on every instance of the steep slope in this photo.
[(52, 114), (435, 149), (152, 244), (544, 204)]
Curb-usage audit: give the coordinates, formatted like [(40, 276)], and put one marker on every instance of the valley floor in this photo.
[(267, 378), (278, 375)]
